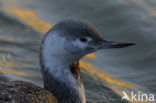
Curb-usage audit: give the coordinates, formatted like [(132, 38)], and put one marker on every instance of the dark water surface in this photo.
[(108, 72)]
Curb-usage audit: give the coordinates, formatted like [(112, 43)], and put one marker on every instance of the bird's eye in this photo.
[(83, 39)]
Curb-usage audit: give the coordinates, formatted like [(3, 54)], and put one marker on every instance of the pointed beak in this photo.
[(111, 44)]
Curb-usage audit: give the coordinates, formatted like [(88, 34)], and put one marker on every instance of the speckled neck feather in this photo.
[(63, 92)]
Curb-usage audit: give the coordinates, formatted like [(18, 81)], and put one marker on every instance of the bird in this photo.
[(61, 49)]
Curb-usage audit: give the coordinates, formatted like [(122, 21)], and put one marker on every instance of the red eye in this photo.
[(83, 39)]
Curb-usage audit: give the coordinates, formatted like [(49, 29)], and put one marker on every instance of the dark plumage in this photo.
[(24, 92)]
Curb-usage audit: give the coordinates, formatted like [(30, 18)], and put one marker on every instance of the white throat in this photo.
[(54, 59)]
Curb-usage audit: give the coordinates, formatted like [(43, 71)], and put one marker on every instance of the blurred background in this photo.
[(105, 73)]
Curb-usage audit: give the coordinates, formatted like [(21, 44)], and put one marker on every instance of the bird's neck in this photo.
[(61, 72), (61, 78), (64, 82)]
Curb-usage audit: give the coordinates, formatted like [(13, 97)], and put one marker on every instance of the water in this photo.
[(108, 72)]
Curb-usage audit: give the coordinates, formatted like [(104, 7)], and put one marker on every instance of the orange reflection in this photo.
[(8, 64), (91, 56), (12, 72), (31, 18), (107, 77)]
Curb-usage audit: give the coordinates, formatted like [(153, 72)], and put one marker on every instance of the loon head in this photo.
[(67, 42), (70, 40)]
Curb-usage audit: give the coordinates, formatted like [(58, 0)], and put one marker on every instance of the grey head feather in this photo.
[(77, 28)]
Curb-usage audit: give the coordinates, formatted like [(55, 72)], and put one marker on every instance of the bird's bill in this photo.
[(113, 44)]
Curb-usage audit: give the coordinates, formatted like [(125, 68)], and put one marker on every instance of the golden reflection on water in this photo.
[(31, 18), (91, 56), (4, 70), (101, 74), (8, 64)]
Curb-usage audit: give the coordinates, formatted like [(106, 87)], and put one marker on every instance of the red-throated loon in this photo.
[(61, 49)]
